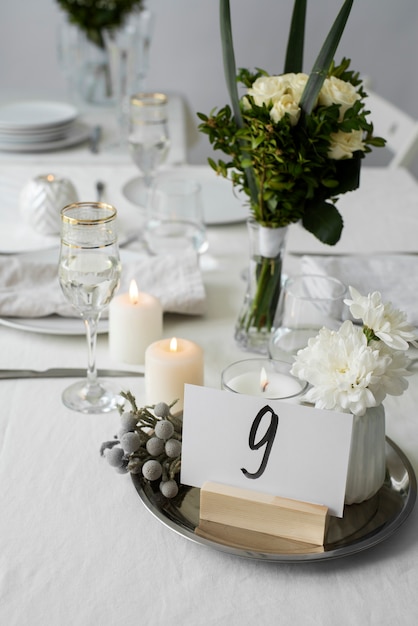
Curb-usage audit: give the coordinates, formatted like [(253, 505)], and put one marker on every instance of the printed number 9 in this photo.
[(267, 440)]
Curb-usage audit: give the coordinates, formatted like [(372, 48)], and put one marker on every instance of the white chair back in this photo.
[(398, 128)]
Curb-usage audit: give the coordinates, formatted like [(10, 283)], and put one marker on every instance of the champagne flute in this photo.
[(89, 271), (149, 140)]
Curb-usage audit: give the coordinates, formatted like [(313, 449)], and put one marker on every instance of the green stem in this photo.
[(264, 304)]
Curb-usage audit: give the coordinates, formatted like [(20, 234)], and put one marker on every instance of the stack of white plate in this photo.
[(36, 126)]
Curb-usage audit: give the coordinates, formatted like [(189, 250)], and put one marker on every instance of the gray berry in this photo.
[(161, 409), (152, 470), (128, 421), (130, 442), (172, 448), (114, 456), (169, 488), (123, 430), (164, 429), (155, 446)]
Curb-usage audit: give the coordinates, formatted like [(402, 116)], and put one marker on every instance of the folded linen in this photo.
[(29, 287), (391, 274)]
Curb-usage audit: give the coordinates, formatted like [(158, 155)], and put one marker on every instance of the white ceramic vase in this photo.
[(367, 464)]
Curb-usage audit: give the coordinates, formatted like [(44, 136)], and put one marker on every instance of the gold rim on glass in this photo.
[(67, 219), (147, 99)]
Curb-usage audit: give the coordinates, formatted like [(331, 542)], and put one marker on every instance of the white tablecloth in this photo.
[(77, 546)]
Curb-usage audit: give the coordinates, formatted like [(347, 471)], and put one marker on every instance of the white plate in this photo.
[(77, 134), (56, 324), (60, 132), (222, 204), (35, 114), (51, 325)]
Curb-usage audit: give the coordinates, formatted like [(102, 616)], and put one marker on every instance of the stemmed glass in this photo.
[(148, 138), (89, 272)]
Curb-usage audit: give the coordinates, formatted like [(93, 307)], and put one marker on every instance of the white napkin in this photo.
[(394, 275), (30, 288)]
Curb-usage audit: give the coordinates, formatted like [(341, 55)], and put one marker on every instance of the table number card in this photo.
[(270, 446)]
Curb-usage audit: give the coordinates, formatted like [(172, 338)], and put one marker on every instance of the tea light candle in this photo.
[(262, 377), (169, 364), (135, 321)]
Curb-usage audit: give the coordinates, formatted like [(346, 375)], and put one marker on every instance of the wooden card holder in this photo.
[(259, 517)]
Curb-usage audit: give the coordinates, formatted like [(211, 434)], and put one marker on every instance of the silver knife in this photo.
[(63, 372)]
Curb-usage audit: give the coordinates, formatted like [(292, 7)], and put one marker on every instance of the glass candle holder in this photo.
[(267, 378)]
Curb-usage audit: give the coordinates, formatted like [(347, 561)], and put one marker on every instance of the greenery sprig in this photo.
[(92, 16)]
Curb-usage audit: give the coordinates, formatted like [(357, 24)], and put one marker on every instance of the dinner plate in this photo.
[(57, 324), (362, 527), (52, 325), (77, 133), (54, 134), (221, 203), (35, 114)]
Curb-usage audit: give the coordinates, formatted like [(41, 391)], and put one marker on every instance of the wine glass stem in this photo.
[(91, 323)]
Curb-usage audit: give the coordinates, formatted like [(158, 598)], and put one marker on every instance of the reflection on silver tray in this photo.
[(363, 525)]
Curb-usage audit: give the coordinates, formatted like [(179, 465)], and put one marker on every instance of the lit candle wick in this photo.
[(133, 292), (173, 345), (263, 380)]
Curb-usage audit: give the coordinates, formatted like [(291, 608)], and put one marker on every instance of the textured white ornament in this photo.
[(42, 199)]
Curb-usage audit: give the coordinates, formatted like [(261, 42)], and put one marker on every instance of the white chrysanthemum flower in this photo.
[(387, 323), (342, 369), (393, 380)]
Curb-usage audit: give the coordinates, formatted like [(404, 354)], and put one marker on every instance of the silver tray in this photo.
[(363, 525)]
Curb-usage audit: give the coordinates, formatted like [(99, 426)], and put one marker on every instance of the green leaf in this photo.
[(294, 51), (324, 59), (348, 173), (229, 60), (324, 221), (231, 81)]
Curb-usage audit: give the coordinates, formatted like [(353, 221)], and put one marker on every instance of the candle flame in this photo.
[(173, 345), (263, 380), (133, 292)]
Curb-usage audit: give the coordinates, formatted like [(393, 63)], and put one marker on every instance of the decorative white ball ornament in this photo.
[(42, 199)]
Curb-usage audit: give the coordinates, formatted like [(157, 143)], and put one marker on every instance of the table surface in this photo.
[(78, 547)]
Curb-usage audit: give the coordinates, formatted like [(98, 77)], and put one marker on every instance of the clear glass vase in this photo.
[(367, 464), (264, 283), (90, 68)]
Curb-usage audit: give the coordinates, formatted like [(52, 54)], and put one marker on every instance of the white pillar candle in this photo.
[(135, 321), (257, 377), (169, 364)]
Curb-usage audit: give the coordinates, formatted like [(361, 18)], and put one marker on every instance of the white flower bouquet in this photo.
[(354, 368)]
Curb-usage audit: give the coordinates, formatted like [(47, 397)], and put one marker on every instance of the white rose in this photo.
[(337, 91), (344, 144), (296, 85), (286, 104), (266, 89)]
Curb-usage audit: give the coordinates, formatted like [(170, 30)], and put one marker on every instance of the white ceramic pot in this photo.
[(367, 464)]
